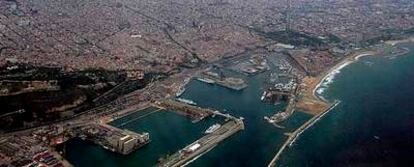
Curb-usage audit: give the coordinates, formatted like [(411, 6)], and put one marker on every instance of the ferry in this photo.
[(83, 137), (263, 96), (212, 128), (186, 101), (206, 80), (180, 92)]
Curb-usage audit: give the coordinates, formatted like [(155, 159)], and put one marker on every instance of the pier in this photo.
[(194, 112), (295, 135), (202, 145)]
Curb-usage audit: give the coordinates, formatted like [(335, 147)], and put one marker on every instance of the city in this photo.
[(98, 72)]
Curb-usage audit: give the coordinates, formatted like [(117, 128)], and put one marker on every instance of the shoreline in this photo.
[(296, 134), (332, 72), (321, 79)]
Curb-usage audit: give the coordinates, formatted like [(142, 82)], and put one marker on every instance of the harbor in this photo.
[(195, 113), (203, 116), (199, 114)]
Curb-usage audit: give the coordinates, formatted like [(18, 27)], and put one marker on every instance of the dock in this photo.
[(194, 112), (295, 135), (202, 145)]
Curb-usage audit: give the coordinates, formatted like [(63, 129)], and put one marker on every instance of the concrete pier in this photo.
[(202, 145)]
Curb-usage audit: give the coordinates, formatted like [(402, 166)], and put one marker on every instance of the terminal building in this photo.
[(128, 141)]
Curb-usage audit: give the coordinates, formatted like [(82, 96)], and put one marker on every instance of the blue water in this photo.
[(169, 132), (374, 124)]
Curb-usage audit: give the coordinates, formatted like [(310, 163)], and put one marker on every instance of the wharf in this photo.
[(202, 145), (194, 112)]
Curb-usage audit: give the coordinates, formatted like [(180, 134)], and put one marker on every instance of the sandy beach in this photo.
[(310, 102), (329, 76)]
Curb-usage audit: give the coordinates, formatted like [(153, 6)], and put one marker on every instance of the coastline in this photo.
[(321, 79), (329, 106), (349, 60), (337, 68)]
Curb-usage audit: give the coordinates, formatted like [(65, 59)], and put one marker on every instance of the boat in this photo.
[(212, 128), (186, 101), (206, 80), (83, 137), (263, 96), (180, 92)]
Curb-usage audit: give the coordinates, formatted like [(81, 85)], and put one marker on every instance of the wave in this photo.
[(329, 79)]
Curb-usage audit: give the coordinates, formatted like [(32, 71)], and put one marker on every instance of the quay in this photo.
[(194, 112), (202, 145), (295, 135), (290, 109)]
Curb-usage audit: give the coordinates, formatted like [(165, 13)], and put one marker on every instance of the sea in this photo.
[(372, 126)]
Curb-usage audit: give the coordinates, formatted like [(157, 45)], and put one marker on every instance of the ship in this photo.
[(206, 80), (83, 137), (263, 96), (212, 128), (180, 92), (186, 101)]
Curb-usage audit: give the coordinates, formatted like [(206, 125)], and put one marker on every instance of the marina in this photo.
[(246, 104), (166, 123)]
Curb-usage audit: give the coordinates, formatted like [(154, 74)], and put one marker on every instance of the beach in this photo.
[(310, 101)]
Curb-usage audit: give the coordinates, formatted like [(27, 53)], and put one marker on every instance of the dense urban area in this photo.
[(69, 68)]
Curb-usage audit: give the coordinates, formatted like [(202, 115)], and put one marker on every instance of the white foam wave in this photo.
[(329, 79)]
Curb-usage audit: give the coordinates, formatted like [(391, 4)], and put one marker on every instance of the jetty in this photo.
[(194, 112), (202, 145), (295, 135)]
